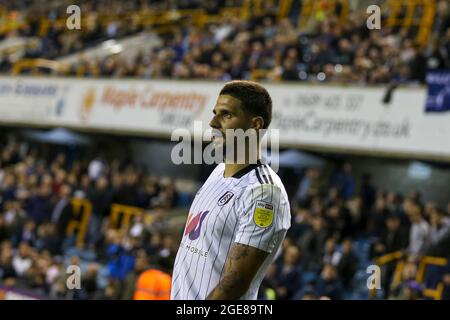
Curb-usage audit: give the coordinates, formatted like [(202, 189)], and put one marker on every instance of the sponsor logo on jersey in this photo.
[(194, 250), (194, 224)]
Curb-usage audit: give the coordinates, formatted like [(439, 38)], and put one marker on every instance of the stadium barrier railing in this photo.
[(410, 14), (33, 65), (400, 258), (121, 217), (82, 210)]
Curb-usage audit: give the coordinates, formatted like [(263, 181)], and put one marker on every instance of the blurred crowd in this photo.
[(102, 20), (330, 217), (322, 253), (324, 250), (267, 49), (36, 209), (263, 47)]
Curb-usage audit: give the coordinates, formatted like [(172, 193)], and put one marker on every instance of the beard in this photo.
[(218, 142), (233, 151)]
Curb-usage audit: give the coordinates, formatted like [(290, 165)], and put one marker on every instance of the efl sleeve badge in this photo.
[(263, 215)]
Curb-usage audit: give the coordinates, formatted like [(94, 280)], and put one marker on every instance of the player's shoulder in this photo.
[(264, 175), (264, 180), (266, 190), (218, 171)]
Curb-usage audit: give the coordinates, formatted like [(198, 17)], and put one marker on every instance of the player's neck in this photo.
[(236, 163), (232, 168)]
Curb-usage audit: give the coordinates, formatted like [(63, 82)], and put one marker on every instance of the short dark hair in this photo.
[(254, 97)]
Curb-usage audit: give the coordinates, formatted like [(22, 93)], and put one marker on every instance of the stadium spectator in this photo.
[(300, 223), (151, 282), (22, 259), (419, 232), (343, 181), (333, 48), (159, 221), (4, 233), (407, 288), (7, 269), (138, 227), (446, 291), (310, 294), (288, 278), (348, 263), (120, 258), (89, 289), (154, 244), (331, 255), (47, 239), (101, 198), (38, 205), (62, 211), (111, 291), (15, 217), (166, 255), (329, 285), (440, 226), (368, 193), (96, 168), (129, 284), (307, 185), (312, 243), (393, 238), (378, 216), (439, 234)]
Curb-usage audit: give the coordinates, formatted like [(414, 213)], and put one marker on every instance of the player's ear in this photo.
[(258, 123)]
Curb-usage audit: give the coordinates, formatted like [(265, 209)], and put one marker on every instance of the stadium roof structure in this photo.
[(59, 136), (298, 159)]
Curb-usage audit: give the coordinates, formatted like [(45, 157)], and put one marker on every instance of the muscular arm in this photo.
[(243, 262)]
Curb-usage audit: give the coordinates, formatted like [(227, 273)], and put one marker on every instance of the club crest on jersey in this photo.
[(223, 200), (194, 224), (263, 214)]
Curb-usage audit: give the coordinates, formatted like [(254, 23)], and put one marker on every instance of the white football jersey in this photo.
[(250, 208)]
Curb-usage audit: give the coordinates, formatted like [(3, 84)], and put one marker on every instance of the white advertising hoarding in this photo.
[(318, 116)]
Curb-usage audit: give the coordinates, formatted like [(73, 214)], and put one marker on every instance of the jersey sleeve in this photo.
[(261, 220)]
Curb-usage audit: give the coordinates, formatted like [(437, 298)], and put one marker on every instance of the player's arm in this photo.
[(241, 266), (255, 239)]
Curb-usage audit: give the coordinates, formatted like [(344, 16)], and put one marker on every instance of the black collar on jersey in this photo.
[(247, 169)]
